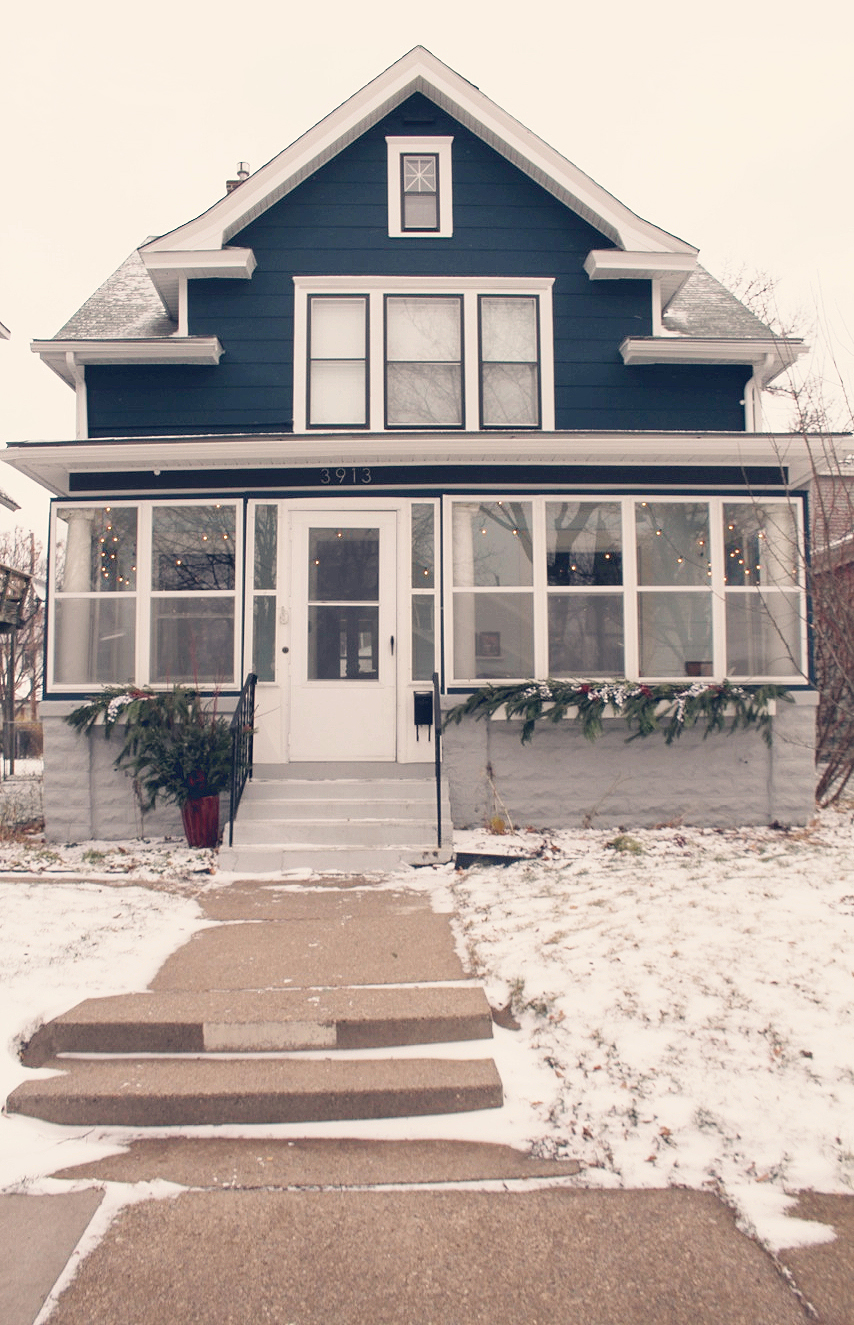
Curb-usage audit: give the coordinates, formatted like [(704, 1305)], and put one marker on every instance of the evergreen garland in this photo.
[(667, 709)]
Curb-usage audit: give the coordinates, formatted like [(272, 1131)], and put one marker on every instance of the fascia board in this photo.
[(51, 464), (204, 350), (420, 71), (771, 357), (611, 264)]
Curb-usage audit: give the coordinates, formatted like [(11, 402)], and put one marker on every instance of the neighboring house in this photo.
[(419, 394)]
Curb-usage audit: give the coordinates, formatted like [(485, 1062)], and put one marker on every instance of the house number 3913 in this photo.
[(348, 474)]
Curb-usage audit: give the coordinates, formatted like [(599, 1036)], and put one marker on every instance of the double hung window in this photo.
[(658, 589), (420, 188), (388, 353)]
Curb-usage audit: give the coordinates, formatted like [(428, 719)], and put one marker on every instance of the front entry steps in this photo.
[(355, 818), (296, 1006)]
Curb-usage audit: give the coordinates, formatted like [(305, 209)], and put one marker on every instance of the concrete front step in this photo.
[(263, 858), (347, 810), (330, 832), (245, 1021), (345, 789), (152, 1092)]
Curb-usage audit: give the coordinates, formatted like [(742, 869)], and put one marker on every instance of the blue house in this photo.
[(420, 396)]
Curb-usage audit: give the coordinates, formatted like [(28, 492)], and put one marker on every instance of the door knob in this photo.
[(285, 648)]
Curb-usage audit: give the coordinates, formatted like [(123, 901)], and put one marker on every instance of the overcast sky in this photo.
[(727, 125)]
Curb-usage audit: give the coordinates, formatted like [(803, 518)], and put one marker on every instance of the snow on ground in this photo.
[(685, 998)]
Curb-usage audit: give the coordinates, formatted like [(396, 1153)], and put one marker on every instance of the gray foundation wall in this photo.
[(561, 780)]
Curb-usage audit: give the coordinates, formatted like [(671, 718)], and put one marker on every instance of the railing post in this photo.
[(242, 748), (437, 755)]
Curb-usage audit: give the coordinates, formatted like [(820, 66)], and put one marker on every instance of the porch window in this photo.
[(143, 593), (423, 582), (264, 592), (94, 607), (657, 589)]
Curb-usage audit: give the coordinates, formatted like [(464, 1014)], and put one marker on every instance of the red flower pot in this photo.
[(201, 821)]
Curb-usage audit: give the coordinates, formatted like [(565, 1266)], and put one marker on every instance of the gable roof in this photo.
[(419, 71)]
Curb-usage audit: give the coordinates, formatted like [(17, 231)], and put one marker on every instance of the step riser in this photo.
[(317, 832), (237, 1109), (368, 790), (343, 811), (257, 1037), (263, 859)]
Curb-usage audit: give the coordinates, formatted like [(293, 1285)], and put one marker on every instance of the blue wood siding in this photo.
[(336, 223)]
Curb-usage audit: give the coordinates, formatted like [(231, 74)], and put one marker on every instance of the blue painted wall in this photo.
[(336, 222)]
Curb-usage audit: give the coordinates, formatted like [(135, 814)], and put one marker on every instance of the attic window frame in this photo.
[(400, 148)]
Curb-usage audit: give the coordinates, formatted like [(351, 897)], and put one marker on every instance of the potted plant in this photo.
[(176, 747)]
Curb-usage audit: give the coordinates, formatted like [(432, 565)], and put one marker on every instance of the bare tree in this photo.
[(20, 549)]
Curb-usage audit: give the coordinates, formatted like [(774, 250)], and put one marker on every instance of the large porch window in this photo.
[(145, 593), (654, 589)]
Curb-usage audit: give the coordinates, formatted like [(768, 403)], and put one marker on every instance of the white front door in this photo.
[(343, 701)]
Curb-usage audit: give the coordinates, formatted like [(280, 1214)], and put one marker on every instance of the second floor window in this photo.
[(419, 203)]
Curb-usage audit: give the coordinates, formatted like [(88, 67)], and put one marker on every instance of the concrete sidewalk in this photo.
[(350, 1232)]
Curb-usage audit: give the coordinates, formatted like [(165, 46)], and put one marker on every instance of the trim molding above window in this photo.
[(420, 198), (386, 353)]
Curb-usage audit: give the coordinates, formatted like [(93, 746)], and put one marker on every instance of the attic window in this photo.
[(419, 188)]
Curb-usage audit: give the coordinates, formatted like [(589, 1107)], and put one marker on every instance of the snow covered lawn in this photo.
[(693, 992), (685, 997)]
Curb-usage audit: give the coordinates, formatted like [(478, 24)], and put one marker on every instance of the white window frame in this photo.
[(441, 149), (468, 288), (539, 589), (143, 593)]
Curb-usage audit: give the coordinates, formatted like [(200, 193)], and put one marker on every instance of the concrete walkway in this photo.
[(348, 1232)]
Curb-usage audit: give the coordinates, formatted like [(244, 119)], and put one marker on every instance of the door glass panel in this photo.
[(343, 612), (343, 642), (343, 565)]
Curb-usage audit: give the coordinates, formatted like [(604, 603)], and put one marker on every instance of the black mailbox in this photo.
[(423, 708)]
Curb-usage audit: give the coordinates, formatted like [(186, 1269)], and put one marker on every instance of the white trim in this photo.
[(670, 269), (772, 355), (159, 350), (51, 464), (167, 269), (420, 71), (469, 287), (77, 375), (440, 147), (183, 306)]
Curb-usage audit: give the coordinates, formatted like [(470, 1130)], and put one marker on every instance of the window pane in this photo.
[(338, 328), (94, 641), (427, 394), (583, 541), (423, 661), (493, 635), (673, 542), (760, 544), (763, 634), (193, 548), (675, 634), (343, 643), (492, 543), (337, 393), (420, 174), (420, 211), (264, 637), (266, 541), (192, 640), (423, 546), (95, 549), (586, 635), (508, 330), (423, 330), (343, 565), (510, 395)]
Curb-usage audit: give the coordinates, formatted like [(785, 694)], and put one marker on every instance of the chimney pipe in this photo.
[(242, 174)]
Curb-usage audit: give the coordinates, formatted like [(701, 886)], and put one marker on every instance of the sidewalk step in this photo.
[(188, 1092), (264, 1022)]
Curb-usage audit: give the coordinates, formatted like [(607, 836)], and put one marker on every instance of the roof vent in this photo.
[(242, 174)]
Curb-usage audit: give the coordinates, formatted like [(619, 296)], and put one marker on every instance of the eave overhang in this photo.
[(419, 71), (671, 269), (65, 357), (767, 357), (167, 267), (51, 464)]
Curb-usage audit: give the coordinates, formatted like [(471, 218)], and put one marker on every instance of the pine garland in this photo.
[(666, 709)]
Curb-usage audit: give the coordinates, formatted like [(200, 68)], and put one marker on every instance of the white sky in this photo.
[(728, 126)]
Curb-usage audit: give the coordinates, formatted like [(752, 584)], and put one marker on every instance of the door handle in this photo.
[(392, 646)]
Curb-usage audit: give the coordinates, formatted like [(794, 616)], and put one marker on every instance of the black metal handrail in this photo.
[(242, 746), (437, 755)]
